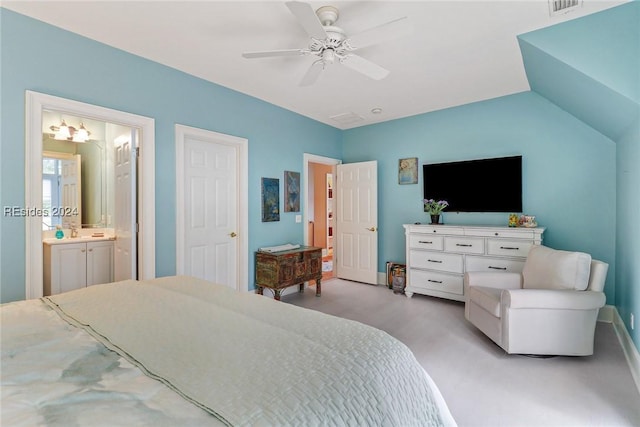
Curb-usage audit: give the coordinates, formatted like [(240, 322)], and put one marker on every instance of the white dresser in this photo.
[(438, 255)]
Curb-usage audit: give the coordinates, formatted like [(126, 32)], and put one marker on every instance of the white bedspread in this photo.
[(253, 361)]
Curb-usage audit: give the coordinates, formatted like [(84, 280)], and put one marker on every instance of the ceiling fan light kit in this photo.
[(329, 42)]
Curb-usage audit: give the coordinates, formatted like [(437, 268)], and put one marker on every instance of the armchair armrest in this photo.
[(500, 280), (552, 299)]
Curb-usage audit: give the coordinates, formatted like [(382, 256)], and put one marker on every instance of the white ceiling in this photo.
[(458, 52)]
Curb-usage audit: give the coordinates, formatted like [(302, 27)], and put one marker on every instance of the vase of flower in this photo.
[(434, 209)]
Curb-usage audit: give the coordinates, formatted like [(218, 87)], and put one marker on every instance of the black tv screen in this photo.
[(485, 185)]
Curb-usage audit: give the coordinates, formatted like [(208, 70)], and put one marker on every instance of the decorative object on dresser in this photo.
[(551, 308), (290, 267), (434, 209), (438, 256)]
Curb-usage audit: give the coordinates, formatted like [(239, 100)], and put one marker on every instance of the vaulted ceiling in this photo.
[(456, 52)]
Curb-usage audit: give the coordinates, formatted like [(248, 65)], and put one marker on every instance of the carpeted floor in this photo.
[(483, 385)]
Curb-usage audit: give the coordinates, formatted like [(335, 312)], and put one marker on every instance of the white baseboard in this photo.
[(610, 314)]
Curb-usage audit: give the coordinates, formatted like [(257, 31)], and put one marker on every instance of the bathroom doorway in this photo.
[(138, 131)]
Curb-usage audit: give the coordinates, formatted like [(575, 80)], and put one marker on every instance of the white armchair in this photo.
[(549, 309)]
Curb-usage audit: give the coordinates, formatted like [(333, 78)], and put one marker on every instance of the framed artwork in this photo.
[(408, 171), (270, 199), (291, 191)]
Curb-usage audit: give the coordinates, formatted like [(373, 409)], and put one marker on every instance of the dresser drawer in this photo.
[(436, 281), (511, 233), (439, 229), (465, 245), (426, 241), (516, 248), (476, 263), (436, 261)]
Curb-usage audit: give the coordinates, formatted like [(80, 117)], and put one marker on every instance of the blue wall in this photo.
[(575, 130), (115, 79), (590, 67), (569, 179)]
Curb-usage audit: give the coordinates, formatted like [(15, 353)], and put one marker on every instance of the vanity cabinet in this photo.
[(439, 255), (75, 265)]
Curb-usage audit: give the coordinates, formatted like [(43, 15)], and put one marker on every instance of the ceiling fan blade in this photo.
[(271, 53), (308, 19), (391, 30), (364, 66), (312, 74)]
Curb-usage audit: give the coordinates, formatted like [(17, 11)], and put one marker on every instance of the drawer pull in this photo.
[(497, 268), (464, 245), (509, 248), (435, 260), (425, 241), (435, 281)]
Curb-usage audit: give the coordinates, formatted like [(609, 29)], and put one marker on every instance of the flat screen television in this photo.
[(484, 185)]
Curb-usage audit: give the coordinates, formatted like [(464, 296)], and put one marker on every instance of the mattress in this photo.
[(183, 351)]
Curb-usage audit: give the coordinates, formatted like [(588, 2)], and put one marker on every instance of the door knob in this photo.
[(232, 234), (371, 229)]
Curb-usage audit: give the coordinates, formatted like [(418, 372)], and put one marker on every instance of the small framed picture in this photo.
[(291, 191), (270, 199), (408, 171)]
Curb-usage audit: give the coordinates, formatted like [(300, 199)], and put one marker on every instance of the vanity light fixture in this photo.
[(65, 132)]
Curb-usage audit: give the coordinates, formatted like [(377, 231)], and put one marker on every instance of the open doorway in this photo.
[(320, 208), (142, 128)]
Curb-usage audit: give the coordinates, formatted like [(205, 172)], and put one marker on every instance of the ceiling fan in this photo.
[(330, 43)]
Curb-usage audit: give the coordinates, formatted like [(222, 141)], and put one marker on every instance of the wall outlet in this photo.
[(632, 321)]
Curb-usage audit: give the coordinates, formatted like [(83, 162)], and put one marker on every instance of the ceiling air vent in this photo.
[(557, 7), (347, 118)]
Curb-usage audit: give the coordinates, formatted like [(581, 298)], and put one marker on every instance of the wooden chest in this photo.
[(278, 270)]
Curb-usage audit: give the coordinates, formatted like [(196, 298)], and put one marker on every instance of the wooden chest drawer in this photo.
[(504, 247), (436, 261), (464, 245)]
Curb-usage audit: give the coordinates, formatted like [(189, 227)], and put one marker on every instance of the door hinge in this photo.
[(137, 152), (137, 227)]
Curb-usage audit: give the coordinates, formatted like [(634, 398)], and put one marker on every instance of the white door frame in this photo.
[(35, 104), (306, 159), (182, 133)]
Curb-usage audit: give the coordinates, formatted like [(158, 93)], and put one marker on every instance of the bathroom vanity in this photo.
[(77, 263)]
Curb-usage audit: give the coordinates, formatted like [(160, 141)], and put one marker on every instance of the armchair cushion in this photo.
[(548, 268), (552, 299)]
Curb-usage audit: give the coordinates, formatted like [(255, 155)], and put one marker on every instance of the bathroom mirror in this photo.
[(84, 202)]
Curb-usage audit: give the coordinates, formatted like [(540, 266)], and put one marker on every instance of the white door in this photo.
[(208, 206), (357, 221), (71, 189), (125, 249)]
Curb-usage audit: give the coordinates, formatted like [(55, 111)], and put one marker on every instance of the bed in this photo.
[(183, 351)]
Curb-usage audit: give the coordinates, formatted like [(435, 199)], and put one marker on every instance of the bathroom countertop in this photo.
[(81, 239)]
